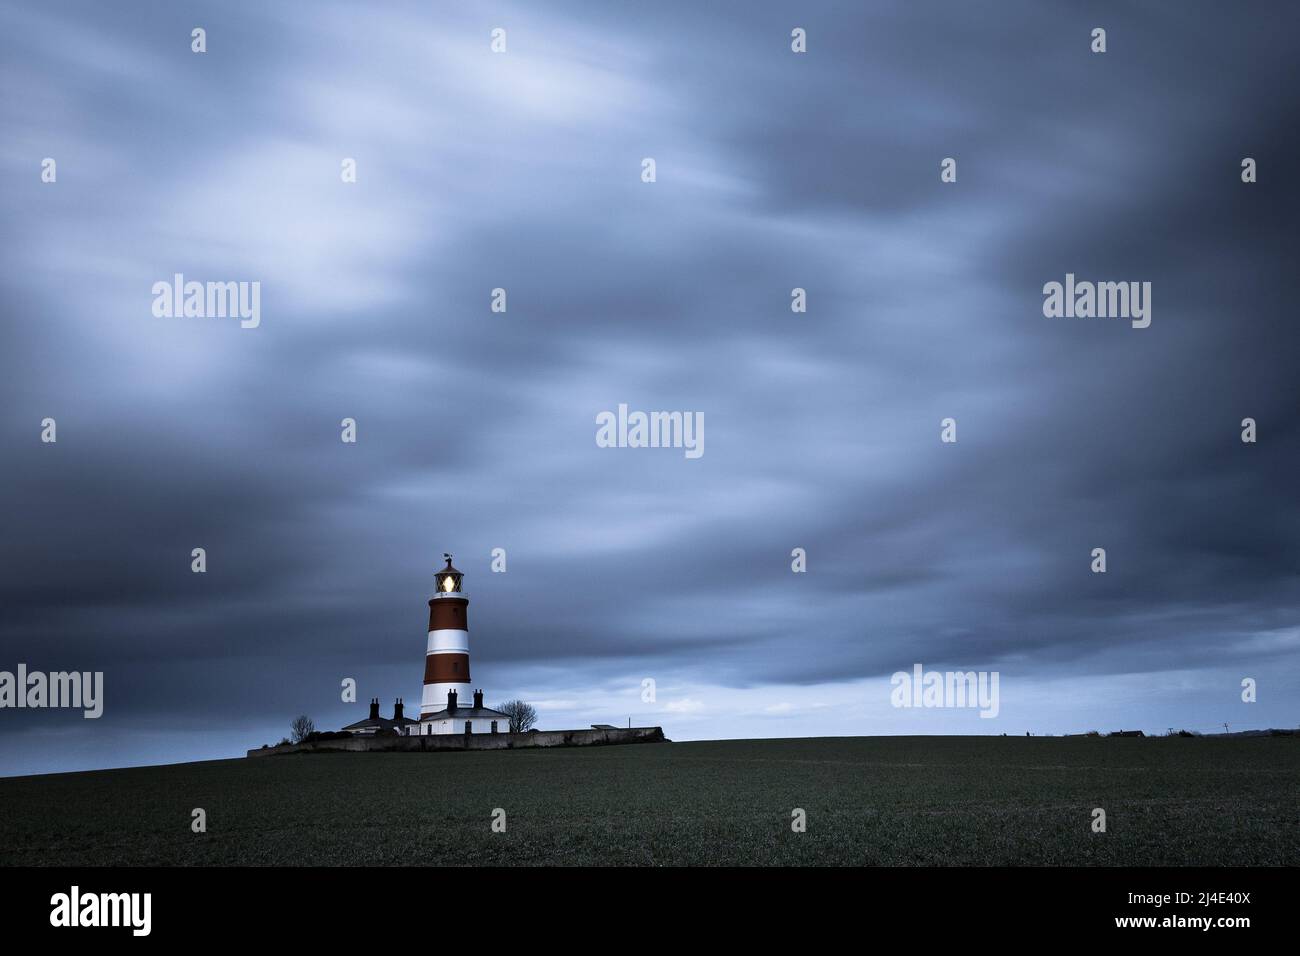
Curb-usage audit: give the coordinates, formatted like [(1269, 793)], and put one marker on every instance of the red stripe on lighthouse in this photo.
[(449, 614), (446, 669)]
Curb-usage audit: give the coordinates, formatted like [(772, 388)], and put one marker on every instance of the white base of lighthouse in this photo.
[(435, 696)]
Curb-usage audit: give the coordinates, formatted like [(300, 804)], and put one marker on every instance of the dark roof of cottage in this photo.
[(380, 723), (464, 712)]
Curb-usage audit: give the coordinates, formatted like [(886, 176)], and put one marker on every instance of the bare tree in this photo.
[(301, 727), (522, 716)]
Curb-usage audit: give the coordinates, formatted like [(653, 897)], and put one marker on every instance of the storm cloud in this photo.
[(476, 430)]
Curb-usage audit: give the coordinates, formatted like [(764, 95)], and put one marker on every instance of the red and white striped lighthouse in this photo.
[(446, 660)]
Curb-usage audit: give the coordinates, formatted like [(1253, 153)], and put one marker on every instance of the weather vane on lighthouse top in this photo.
[(449, 578)]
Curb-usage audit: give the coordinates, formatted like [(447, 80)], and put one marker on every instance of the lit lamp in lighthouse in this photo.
[(449, 577)]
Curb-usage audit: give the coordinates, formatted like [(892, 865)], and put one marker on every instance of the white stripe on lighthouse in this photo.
[(448, 640), (435, 697)]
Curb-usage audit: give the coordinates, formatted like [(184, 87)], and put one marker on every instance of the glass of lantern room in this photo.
[(449, 578)]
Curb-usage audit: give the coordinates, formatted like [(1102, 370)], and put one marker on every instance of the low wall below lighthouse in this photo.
[(541, 738)]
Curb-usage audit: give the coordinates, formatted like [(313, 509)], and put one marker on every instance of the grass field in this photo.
[(881, 800)]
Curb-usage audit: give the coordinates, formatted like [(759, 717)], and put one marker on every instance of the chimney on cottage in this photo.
[(451, 700), (478, 699), (397, 709), (374, 708)]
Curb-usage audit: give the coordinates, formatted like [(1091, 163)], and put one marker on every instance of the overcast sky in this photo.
[(476, 430)]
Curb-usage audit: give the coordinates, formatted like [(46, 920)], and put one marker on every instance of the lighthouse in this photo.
[(446, 660)]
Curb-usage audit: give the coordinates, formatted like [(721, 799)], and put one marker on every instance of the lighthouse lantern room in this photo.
[(449, 578)]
